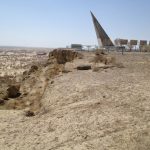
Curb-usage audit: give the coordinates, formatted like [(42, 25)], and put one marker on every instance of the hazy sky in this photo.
[(57, 23)]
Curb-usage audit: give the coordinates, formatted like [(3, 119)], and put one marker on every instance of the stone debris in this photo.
[(29, 114), (84, 67), (2, 102), (13, 91)]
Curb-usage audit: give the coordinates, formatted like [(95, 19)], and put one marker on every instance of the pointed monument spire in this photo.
[(103, 38)]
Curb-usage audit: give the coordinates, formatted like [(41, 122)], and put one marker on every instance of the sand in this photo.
[(86, 110)]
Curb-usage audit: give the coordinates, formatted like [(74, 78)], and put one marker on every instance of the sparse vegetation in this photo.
[(101, 57)]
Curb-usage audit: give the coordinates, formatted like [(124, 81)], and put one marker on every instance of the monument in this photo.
[(102, 37)]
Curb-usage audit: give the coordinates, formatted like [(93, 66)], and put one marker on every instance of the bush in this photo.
[(101, 57)]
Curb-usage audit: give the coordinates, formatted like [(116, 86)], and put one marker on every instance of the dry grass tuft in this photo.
[(80, 56), (101, 57)]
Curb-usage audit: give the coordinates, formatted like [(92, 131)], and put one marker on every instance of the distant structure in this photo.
[(41, 53), (77, 46), (102, 37), (143, 42), (80, 47), (133, 42), (121, 42)]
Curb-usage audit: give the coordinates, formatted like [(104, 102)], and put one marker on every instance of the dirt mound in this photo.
[(63, 55)]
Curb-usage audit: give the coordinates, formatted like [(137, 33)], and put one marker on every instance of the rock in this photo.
[(52, 82), (84, 67), (25, 73), (2, 102), (29, 113), (33, 69), (63, 55), (13, 91)]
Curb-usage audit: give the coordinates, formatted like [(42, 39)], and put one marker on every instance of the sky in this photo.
[(58, 23)]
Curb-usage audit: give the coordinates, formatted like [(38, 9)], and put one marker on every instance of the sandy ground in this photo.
[(86, 110), (15, 63)]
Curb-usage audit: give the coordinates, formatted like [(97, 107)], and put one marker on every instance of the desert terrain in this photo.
[(14, 61), (103, 108)]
